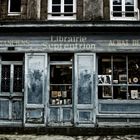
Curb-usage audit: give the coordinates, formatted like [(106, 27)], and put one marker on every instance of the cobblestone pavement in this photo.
[(59, 137)]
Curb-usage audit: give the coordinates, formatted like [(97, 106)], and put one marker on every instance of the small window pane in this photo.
[(54, 115), (84, 116), (68, 9), (17, 87), (117, 8), (68, 2), (4, 109), (5, 82), (56, 9), (129, 2), (17, 110), (15, 5), (129, 8), (117, 14), (56, 1), (120, 92), (117, 2)]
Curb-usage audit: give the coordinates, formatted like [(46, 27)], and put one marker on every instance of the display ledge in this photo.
[(118, 124), (118, 101), (118, 84), (118, 116), (10, 123), (60, 105)]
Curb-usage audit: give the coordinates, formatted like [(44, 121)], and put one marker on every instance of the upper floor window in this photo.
[(14, 7), (61, 9), (124, 10)]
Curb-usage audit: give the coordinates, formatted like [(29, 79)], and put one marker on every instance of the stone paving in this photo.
[(60, 137)]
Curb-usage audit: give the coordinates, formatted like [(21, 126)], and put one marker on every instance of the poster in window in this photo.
[(104, 79), (134, 94)]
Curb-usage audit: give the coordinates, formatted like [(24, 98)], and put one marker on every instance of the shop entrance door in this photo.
[(11, 90), (84, 90)]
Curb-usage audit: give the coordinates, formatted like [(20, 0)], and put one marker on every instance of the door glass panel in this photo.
[(16, 110), (54, 115), (5, 81), (4, 109), (17, 87), (35, 80), (61, 81), (84, 116), (67, 114), (84, 79)]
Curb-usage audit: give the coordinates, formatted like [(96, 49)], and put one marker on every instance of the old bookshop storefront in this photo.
[(70, 79)]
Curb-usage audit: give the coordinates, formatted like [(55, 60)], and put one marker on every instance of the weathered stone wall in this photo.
[(33, 9), (93, 9), (44, 9), (106, 10), (79, 9)]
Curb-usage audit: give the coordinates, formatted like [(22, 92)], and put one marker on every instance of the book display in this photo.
[(119, 77), (61, 85)]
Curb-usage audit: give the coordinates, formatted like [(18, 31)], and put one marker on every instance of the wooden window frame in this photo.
[(123, 17), (12, 13), (61, 17)]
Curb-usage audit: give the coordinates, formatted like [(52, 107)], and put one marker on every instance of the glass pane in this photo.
[(67, 115), (61, 94), (17, 87), (129, 8), (84, 79), (17, 110), (56, 9), (60, 56), (34, 116), (119, 69), (61, 74), (129, 2), (68, 1), (134, 70), (84, 116), (56, 1), (120, 92), (104, 66), (117, 8), (5, 82), (117, 2), (4, 109), (15, 5), (54, 115), (118, 14), (68, 9), (35, 79)]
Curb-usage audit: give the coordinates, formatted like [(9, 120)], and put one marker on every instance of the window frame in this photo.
[(12, 13), (123, 17), (115, 83), (61, 17)]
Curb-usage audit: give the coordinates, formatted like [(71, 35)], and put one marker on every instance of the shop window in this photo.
[(61, 80), (61, 9), (124, 10), (14, 7), (119, 77)]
